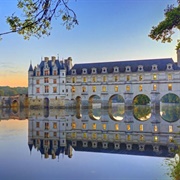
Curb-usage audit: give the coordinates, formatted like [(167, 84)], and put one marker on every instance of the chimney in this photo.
[(53, 58), (178, 57)]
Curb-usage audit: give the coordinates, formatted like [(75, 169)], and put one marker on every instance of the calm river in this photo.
[(95, 144)]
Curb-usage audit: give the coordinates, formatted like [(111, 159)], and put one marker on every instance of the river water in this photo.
[(98, 144)]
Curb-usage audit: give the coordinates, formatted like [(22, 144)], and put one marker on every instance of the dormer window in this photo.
[(94, 71), (169, 67), (74, 71), (37, 73), (84, 71), (154, 67), (104, 70), (128, 69), (140, 68), (116, 69), (46, 72)]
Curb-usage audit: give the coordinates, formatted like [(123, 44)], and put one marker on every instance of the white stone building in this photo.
[(55, 83)]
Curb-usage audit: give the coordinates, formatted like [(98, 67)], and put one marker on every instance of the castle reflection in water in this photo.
[(141, 131)]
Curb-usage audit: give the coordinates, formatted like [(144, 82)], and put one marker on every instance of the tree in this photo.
[(165, 29), (38, 16)]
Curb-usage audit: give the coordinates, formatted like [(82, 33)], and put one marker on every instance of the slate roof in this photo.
[(147, 65), (30, 68), (58, 64)]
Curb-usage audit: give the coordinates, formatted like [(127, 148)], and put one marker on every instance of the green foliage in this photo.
[(165, 29), (37, 17), (170, 98), (141, 100), (8, 91)]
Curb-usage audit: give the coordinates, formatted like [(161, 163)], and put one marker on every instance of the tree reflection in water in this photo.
[(170, 113), (174, 165), (142, 113)]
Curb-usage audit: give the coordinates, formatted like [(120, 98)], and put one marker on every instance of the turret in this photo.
[(68, 63)]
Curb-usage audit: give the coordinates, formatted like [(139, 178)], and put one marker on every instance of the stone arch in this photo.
[(46, 102), (94, 101), (141, 99), (170, 107)]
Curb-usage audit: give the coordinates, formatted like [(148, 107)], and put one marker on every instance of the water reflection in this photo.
[(142, 113), (170, 113), (64, 130)]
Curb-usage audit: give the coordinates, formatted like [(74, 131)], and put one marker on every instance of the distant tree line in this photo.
[(12, 91)]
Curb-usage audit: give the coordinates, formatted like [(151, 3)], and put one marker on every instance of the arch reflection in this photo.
[(142, 113), (170, 113), (117, 112), (95, 113)]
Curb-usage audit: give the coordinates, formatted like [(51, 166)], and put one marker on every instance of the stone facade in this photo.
[(56, 83)]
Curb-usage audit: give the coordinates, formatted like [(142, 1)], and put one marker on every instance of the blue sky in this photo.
[(108, 30)]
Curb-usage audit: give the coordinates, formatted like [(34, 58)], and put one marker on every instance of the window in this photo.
[(83, 89), (169, 87), (169, 76), (84, 71), (46, 135), (154, 77), (46, 89), (38, 90), (128, 127), (84, 79), (154, 67), (155, 128), (104, 136), (73, 79), (116, 69), (104, 126), (55, 72), (54, 81), (55, 134), (140, 87), (46, 80), (37, 81), (84, 135), (94, 88), (128, 68), (37, 133), (127, 78), (46, 143), (94, 126), (93, 79), (141, 127), (55, 125), (73, 125), (54, 89), (170, 128), (141, 138), (38, 73), (73, 135), (116, 136), (104, 78), (171, 139), (104, 89), (46, 72), (73, 89), (140, 77), (37, 124), (128, 137), (127, 88), (154, 87), (73, 71), (84, 126), (155, 138), (94, 135), (46, 126), (104, 70), (115, 78), (116, 88), (116, 126), (140, 68), (93, 70)]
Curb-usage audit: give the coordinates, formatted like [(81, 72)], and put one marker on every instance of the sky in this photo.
[(108, 30)]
